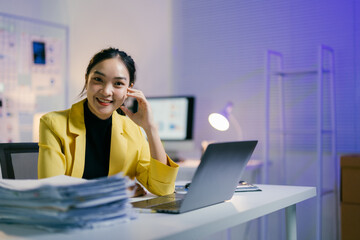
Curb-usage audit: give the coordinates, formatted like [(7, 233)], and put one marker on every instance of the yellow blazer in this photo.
[(62, 143)]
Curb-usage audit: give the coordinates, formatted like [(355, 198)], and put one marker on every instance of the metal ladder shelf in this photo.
[(320, 130)]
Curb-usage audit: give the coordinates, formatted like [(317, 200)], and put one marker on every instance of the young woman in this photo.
[(92, 140)]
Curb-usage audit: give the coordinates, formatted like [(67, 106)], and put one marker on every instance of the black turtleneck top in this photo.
[(97, 150)]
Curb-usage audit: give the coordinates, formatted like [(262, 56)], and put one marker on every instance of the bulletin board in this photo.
[(33, 73)]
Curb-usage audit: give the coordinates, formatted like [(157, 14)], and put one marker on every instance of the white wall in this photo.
[(141, 28), (46, 10), (222, 47)]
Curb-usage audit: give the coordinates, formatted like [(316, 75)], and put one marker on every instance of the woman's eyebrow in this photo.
[(102, 74), (120, 78)]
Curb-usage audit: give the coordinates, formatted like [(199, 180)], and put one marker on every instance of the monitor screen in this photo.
[(174, 117)]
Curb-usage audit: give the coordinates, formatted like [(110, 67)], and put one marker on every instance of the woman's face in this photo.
[(107, 86)]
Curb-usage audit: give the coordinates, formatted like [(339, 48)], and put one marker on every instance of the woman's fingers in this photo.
[(143, 116), (135, 93), (139, 96)]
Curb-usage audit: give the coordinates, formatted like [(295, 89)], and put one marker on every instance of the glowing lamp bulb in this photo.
[(218, 122)]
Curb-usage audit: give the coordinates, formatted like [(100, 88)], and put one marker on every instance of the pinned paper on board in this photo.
[(33, 72)]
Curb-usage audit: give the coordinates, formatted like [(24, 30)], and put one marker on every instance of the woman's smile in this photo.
[(104, 102)]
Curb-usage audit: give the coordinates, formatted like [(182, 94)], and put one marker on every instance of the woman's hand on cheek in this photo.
[(143, 116)]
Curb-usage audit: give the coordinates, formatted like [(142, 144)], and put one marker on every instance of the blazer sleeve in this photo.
[(51, 161), (155, 176)]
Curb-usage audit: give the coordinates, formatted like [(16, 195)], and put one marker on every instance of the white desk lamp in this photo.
[(221, 120)]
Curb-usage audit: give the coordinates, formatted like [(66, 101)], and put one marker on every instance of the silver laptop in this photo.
[(215, 180)]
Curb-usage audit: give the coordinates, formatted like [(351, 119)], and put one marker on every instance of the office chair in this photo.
[(19, 160)]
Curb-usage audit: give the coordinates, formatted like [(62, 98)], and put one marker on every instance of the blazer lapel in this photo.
[(118, 146), (77, 127)]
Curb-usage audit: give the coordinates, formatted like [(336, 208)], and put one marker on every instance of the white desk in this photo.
[(196, 224)]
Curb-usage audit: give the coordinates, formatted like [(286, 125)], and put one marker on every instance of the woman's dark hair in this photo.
[(109, 53)]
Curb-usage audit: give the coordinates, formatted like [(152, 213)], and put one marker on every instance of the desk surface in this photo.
[(243, 207)]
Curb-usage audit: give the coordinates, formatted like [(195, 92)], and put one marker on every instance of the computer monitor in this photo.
[(174, 116)]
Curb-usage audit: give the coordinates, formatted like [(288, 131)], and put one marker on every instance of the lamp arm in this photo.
[(237, 127)]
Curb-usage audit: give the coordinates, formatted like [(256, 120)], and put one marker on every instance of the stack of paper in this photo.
[(65, 203)]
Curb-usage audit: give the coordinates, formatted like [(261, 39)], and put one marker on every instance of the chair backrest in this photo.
[(19, 160)]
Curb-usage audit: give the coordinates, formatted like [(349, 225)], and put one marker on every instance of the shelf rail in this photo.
[(325, 55)]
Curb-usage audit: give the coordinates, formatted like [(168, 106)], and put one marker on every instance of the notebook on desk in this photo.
[(215, 180)]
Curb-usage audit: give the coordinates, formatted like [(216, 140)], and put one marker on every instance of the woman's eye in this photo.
[(97, 79), (119, 84)]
